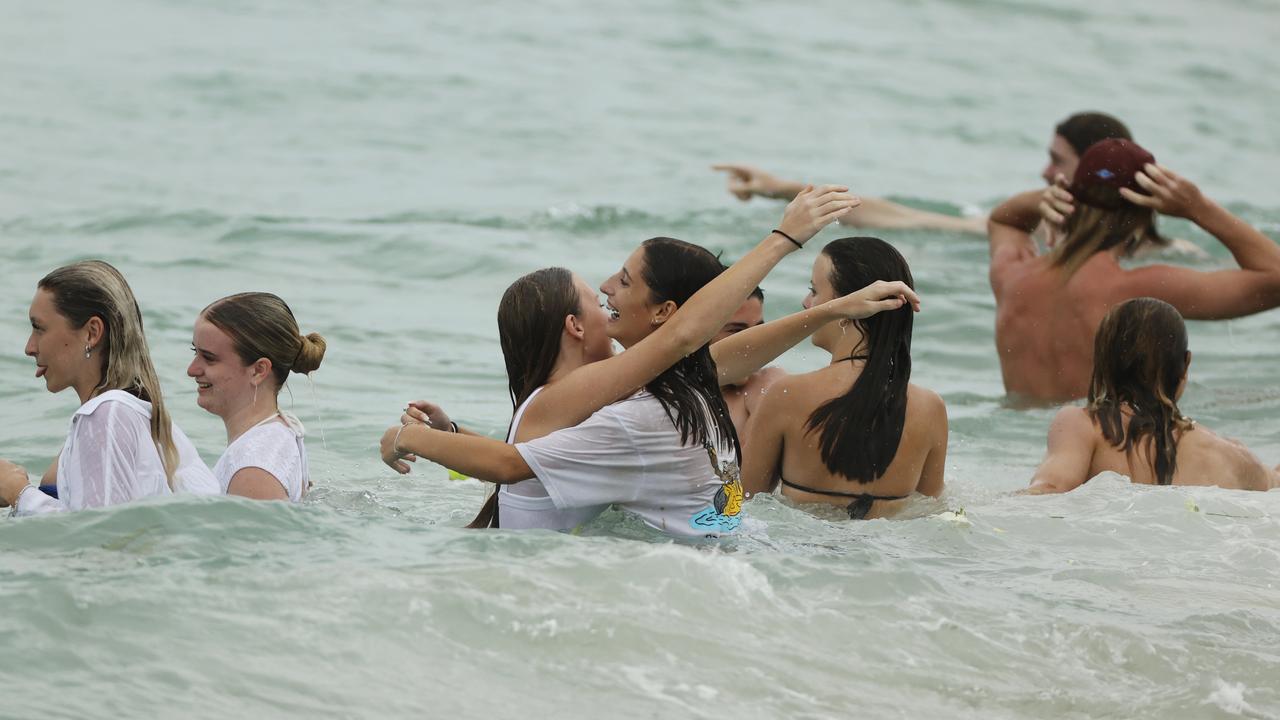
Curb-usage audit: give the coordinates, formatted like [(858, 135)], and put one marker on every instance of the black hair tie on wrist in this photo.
[(793, 240)]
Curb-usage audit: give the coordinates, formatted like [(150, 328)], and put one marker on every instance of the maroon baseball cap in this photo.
[(1105, 167)]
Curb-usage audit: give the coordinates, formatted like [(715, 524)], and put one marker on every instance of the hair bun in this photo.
[(310, 354)]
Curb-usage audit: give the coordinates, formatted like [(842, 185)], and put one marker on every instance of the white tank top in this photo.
[(526, 505)]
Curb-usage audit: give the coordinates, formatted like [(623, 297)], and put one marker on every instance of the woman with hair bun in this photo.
[(1132, 424), (86, 334), (245, 346), (856, 433)]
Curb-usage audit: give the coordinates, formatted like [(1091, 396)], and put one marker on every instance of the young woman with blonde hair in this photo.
[(86, 334), (1132, 425), (245, 346)]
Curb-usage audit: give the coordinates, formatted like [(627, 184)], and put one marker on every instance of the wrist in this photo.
[(794, 239)]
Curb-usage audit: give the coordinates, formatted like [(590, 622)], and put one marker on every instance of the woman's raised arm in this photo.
[(575, 397)]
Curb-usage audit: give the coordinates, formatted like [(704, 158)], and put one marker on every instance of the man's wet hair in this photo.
[(1084, 129)]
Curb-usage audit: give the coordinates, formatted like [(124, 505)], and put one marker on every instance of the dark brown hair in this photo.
[(261, 325), (1084, 129), (530, 320), (1139, 359), (689, 391), (860, 430)]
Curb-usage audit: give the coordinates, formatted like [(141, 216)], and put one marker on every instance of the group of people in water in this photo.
[(688, 422)]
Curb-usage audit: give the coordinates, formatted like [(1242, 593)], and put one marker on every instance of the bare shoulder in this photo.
[(1246, 467), (925, 399), (762, 379)]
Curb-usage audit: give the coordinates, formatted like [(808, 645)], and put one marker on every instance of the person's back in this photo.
[(801, 466), (857, 433), (1045, 323), (1049, 306), (1132, 424)]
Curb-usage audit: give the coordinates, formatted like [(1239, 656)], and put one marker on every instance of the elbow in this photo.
[(511, 469)]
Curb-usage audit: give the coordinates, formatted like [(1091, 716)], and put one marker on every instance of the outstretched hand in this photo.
[(877, 297), (1168, 192), (746, 181), (815, 208)]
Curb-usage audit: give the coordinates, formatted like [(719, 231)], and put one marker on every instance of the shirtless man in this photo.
[(742, 399), (1071, 138), (1048, 306)]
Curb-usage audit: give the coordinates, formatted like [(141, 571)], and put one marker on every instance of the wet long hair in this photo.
[(92, 288), (261, 325), (688, 391), (1090, 230), (859, 431), (1139, 359), (530, 320)]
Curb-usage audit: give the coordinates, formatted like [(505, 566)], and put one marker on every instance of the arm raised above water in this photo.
[(746, 181), (1069, 454), (743, 353), (575, 397), (1198, 295)]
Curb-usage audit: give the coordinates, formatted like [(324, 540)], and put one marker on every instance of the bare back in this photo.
[(1078, 452), (781, 429), (1204, 458), (1045, 325)]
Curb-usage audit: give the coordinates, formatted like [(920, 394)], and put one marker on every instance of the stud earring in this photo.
[(86, 351)]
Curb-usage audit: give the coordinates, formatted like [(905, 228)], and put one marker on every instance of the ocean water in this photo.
[(389, 167)]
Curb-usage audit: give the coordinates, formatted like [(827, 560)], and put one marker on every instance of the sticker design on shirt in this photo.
[(723, 515)]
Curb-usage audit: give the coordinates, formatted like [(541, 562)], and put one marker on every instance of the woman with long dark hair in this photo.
[(1132, 424), (856, 433), (661, 444)]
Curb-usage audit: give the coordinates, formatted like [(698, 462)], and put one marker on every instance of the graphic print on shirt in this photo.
[(723, 515)]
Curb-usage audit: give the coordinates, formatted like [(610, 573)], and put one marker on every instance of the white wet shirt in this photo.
[(629, 454), (273, 446), (526, 506), (109, 458)]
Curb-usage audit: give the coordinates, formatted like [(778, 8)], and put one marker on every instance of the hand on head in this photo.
[(1056, 204), (874, 298), (815, 208), (1168, 192)]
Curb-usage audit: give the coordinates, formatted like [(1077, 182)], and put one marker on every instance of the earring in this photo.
[(255, 394), (86, 352), (655, 321)]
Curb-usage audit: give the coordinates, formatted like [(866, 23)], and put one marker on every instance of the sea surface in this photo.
[(388, 167)]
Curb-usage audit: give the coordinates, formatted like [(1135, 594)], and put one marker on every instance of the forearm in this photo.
[(743, 353), (472, 455), (1021, 211), (786, 190), (881, 213), (699, 319), (1251, 249)]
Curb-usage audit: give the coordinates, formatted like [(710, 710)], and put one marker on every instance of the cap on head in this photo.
[(1106, 167)]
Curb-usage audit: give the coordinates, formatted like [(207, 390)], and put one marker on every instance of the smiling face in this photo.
[(1062, 159), (749, 315), (631, 314), (597, 344), (224, 384), (58, 348)]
